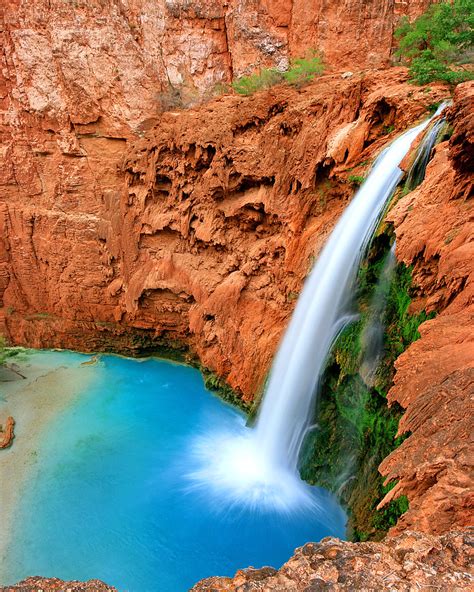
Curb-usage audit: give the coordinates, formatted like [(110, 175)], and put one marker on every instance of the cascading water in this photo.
[(418, 169), (259, 467)]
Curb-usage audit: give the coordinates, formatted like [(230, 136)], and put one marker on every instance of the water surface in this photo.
[(109, 495)]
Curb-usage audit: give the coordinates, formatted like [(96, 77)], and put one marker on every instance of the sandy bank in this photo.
[(52, 383)]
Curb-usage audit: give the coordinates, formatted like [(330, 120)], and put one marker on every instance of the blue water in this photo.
[(112, 501)]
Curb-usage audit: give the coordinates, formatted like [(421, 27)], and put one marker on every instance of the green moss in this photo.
[(218, 385), (356, 179), (355, 428)]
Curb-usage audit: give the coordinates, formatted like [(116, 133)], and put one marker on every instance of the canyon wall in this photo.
[(434, 380), (200, 237), (124, 60), (126, 229)]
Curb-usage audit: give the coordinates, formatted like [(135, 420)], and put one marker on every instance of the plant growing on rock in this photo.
[(301, 71), (356, 179), (439, 44)]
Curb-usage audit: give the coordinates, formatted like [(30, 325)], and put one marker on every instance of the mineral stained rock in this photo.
[(434, 378), (121, 59), (200, 234), (8, 433)]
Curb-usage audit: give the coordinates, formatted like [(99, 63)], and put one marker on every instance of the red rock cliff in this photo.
[(124, 229), (206, 236), (116, 58), (434, 381)]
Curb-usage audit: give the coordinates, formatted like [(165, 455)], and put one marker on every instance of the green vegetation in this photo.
[(301, 71), (214, 383), (356, 179), (356, 428), (7, 352), (247, 85), (439, 44)]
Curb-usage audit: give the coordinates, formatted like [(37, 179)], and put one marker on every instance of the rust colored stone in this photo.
[(8, 433), (197, 236), (411, 561), (434, 381)]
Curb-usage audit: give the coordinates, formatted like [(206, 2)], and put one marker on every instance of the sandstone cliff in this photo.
[(126, 229), (121, 59), (204, 237)]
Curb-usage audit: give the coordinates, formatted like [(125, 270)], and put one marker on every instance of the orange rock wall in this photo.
[(199, 237), (118, 59), (434, 381)]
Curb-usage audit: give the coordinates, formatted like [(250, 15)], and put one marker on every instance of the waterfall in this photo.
[(320, 313), (418, 169), (259, 467)]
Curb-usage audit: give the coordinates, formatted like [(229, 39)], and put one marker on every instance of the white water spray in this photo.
[(259, 467)]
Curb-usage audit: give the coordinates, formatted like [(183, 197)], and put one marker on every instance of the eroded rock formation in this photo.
[(126, 229), (434, 380), (7, 433), (204, 240), (411, 561)]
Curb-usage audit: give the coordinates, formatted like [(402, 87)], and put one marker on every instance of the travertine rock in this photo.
[(411, 561), (37, 584), (206, 237), (434, 381)]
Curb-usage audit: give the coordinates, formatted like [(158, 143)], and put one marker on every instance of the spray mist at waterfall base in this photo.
[(230, 468)]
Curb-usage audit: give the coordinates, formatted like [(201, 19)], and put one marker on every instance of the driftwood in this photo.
[(8, 433)]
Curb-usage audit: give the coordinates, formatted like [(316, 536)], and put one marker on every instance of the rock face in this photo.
[(434, 381), (203, 238), (8, 433), (121, 59), (411, 561), (54, 585)]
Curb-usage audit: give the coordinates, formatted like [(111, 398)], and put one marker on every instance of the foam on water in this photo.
[(229, 467)]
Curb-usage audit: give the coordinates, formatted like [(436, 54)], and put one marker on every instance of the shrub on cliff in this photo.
[(439, 45), (247, 85), (301, 71)]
